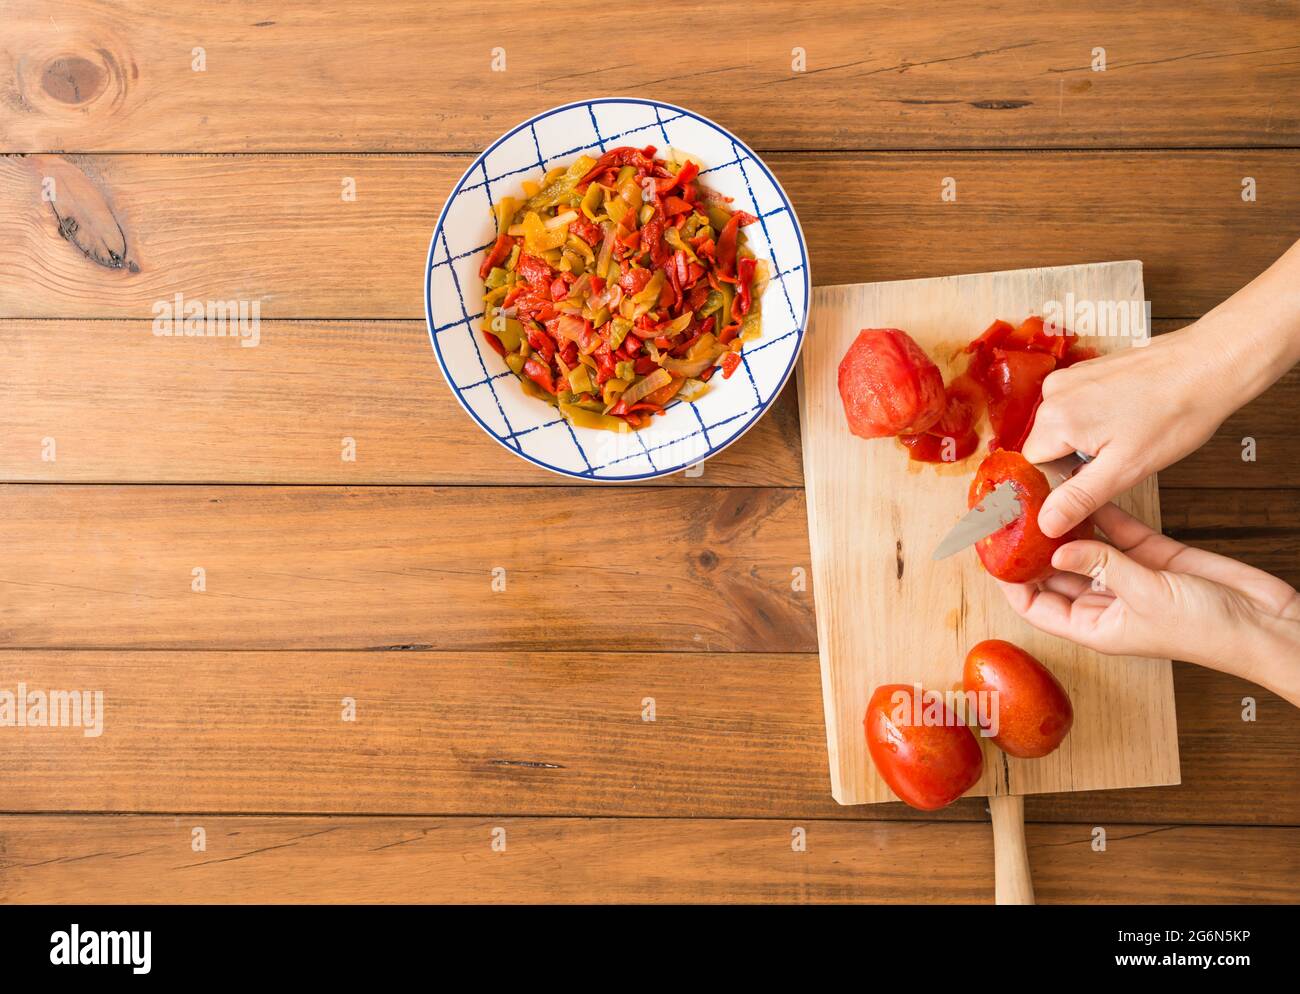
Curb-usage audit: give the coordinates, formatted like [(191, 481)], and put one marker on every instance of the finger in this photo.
[(1046, 610), (1068, 585), (1155, 551), (1018, 594), (1123, 530), (1046, 439), (1116, 572), (1083, 493)]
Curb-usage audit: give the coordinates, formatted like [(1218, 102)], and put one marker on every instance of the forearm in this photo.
[(1253, 337)]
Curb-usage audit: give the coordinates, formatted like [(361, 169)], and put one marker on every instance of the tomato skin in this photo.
[(1018, 552), (1014, 383), (888, 385), (1034, 711), (927, 766)]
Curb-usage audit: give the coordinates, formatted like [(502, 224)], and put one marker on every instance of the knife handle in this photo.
[(1012, 883)]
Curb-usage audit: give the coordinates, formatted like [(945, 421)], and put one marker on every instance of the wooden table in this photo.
[(180, 530)]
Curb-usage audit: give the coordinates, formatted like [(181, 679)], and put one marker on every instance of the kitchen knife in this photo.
[(1000, 507)]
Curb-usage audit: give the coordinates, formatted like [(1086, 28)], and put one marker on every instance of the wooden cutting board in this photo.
[(886, 613)]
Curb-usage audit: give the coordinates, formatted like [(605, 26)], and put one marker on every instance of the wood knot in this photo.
[(61, 77), (71, 79)]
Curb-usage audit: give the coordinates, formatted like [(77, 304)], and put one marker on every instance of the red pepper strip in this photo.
[(674, 206), (518, 291), (645, 365), (539, 374), (634, 281), (542, 343), (744, 279), (674, 283), (570, 354), (726, 251), (650, 236), (684, 175), (534, 270), (708, 373), (704, 247), (587, 230), (616, 158), (667, 294), (630, 347), (631, 240), (500, 250), (495, 342), (698, 294), (645, 406), (604, 364), (729, 333), (730, 362), (559, 289)]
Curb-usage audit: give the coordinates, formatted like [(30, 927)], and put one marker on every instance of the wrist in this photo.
[(1268, 653)]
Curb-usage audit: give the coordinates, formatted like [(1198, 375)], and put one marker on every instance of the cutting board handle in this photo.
[(1012, 882)]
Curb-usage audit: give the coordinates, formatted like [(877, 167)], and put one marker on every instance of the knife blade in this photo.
[(1000, 507)]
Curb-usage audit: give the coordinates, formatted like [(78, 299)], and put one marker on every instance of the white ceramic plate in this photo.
[(686, 433)]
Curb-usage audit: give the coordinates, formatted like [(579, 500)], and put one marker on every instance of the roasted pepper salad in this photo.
[(619, 284)]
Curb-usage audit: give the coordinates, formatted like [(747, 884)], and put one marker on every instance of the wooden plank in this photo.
[(111, 76), (306, 388), (874, 516), (362, 568), (172, 403), (733, 735), (144, 228), (699, 569), (106, 860)]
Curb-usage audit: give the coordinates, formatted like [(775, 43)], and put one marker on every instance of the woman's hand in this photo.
[(1136, 411), (1149, 595), (1140, 409)]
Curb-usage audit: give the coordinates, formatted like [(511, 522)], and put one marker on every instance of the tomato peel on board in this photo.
[(927, 765), (1009, 363), (1034, 713), (1018, 552), (888, 385)]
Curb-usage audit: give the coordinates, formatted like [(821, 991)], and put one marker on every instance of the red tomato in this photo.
[(927, 765), (1033, 709), (888, 385), (1018, 552)]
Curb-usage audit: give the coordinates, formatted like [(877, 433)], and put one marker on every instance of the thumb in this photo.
[(1110, 570), (1076, 498)]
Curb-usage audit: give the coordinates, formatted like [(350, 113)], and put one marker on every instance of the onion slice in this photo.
[(642, 388)]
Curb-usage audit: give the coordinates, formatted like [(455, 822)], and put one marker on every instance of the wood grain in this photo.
[(125, 406), (874, 517), (639, 861), (379, 567), (551, 733), (418, 76), (275, 229), (699, 569)]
